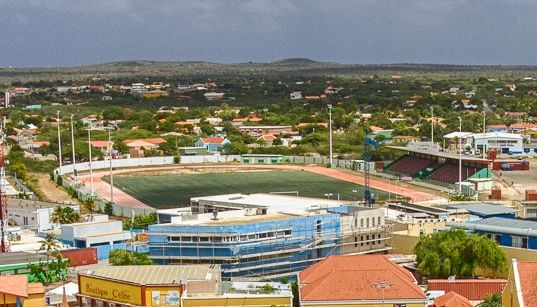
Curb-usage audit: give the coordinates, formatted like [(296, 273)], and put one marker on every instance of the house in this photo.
[(34, 146), (101, 145), (138, 89), (267, 139), (497, 128), (137, 146), (452, 299), (212, 144), (260, 130), (474, 290), (405, 139), (295, 95), (17, 291), (213, 96), (354, 280), (516, 115), (520, 288)]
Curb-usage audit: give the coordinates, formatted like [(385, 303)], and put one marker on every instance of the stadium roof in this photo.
[(500, 225), (483, 208), (156, 274), (441, 154)]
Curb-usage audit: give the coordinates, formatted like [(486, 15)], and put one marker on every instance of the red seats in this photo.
[(450, 173), (410, 165)]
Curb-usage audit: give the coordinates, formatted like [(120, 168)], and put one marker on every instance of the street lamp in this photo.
[(382, 286), (327, 195), (59, 142), (330, 135), (90, 160), (73, 148), (432, 127)]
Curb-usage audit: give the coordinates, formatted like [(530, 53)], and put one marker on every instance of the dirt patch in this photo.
[(50, 190)]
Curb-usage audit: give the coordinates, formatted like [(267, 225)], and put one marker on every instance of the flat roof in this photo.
[(429, 210), (33, 204), (483, 208), (21, 257), (507, 222), (156, 274), (441, 154)]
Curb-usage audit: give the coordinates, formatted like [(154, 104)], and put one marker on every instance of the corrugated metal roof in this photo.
[(472, 289), (157, 274), (483, 208)]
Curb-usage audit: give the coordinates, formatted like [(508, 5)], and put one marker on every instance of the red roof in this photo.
[(212, 140), (267, 137), (16, 285), (99, 144), (352, 277), (527, 272), (472, 289), (452, 299), (154, 141)]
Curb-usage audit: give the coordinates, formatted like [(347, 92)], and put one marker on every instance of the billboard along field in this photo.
[(175, 190)]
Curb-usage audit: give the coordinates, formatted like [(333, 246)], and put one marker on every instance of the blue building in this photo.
[(102, 234), (505, 231), (264, 235)]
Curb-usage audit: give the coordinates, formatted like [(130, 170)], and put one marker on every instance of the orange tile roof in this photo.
[(352, 277), (472, 289), (35, 288), (154, 141), (212, 140), (527, 272), (452, 299), (16, 285), (99, 144), (267, 137), (375, 128)]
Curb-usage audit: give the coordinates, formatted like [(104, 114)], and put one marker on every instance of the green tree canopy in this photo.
[(124, 257), (65, 215), (454, 252)]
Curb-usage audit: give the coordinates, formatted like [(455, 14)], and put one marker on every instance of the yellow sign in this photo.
[(110, 290)]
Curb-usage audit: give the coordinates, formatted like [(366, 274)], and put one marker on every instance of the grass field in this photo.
[(165, 191)]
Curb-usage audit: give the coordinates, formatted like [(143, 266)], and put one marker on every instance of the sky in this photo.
[(51, 33)]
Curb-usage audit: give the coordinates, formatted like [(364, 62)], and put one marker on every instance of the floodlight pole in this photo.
[(330, 138), (73, 148), (110, 148), (90, 161), (432, 127), (460, 155), (58, 121), (484, 132)]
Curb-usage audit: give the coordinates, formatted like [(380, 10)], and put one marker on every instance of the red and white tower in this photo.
[(4, 240)]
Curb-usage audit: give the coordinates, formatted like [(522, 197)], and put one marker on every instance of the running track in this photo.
[(102, 188)]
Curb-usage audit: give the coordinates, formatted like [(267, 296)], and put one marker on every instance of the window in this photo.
[(25, 220), (361, 240), (367, 223), (378, 220), (86, 302), (367, 238), (531, 213), (287, 232), (379, 236), (373, 222), (355, 241), (497, 238), (520, 242), (99, 303)]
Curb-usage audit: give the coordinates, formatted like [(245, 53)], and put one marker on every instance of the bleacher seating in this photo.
[(410, 165), (450, 173)]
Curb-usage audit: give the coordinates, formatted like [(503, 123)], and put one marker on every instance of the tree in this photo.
[(124, 257), (108, 208), (89, 205), (141, 221), (235, 148), (454, 252), (491, 300), (20, 169), (65, 215), (51, 246)]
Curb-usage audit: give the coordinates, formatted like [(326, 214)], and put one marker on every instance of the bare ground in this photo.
[(50, 190)]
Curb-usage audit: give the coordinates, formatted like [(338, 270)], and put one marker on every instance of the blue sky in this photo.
[(76, 32)]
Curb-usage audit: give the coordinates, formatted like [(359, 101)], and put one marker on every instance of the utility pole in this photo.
[(110, 148), (330, 138), (58, 121), (460, 155), (90, 161), (432, 127), (73, 148)]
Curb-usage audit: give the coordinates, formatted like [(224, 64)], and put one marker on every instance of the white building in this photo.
[(33, 214), (295, 95), (505, 143), (138, 89), (7, 98)]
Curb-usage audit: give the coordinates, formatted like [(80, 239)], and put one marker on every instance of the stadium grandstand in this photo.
[(436, 167)]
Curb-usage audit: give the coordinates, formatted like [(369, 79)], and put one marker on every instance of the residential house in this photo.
[(355, 280), (213, 96), (212, 144), (15, 290), (516, 115), (267, 139), (101, 145), (138, 89), (295, 95), (260, 130), (137, 146), (34, 146), (520, 288), (452, 299), (474, 290)]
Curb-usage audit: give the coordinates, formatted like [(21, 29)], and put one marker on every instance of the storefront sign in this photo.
[(110, 290)]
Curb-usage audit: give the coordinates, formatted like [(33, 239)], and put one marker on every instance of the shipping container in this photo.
[(81, 256), (495, 194)]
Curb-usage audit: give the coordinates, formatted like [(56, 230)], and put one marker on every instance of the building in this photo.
[(16, 263), (485, 210), (17, 291), (150, 285), (520, 288), (257, 131), (138, 146), (265, 235), (505, 231), (505, 143), (213, 96), (104, 235), (295, 95), (138, 89), (261, 159), (34, 214), (475, 290), (212, 144), (359, 280), (452, 299), (192, 151)]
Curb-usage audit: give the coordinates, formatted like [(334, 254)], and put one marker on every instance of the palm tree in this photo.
[(89, 205), (51, 246), (65, 215)]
